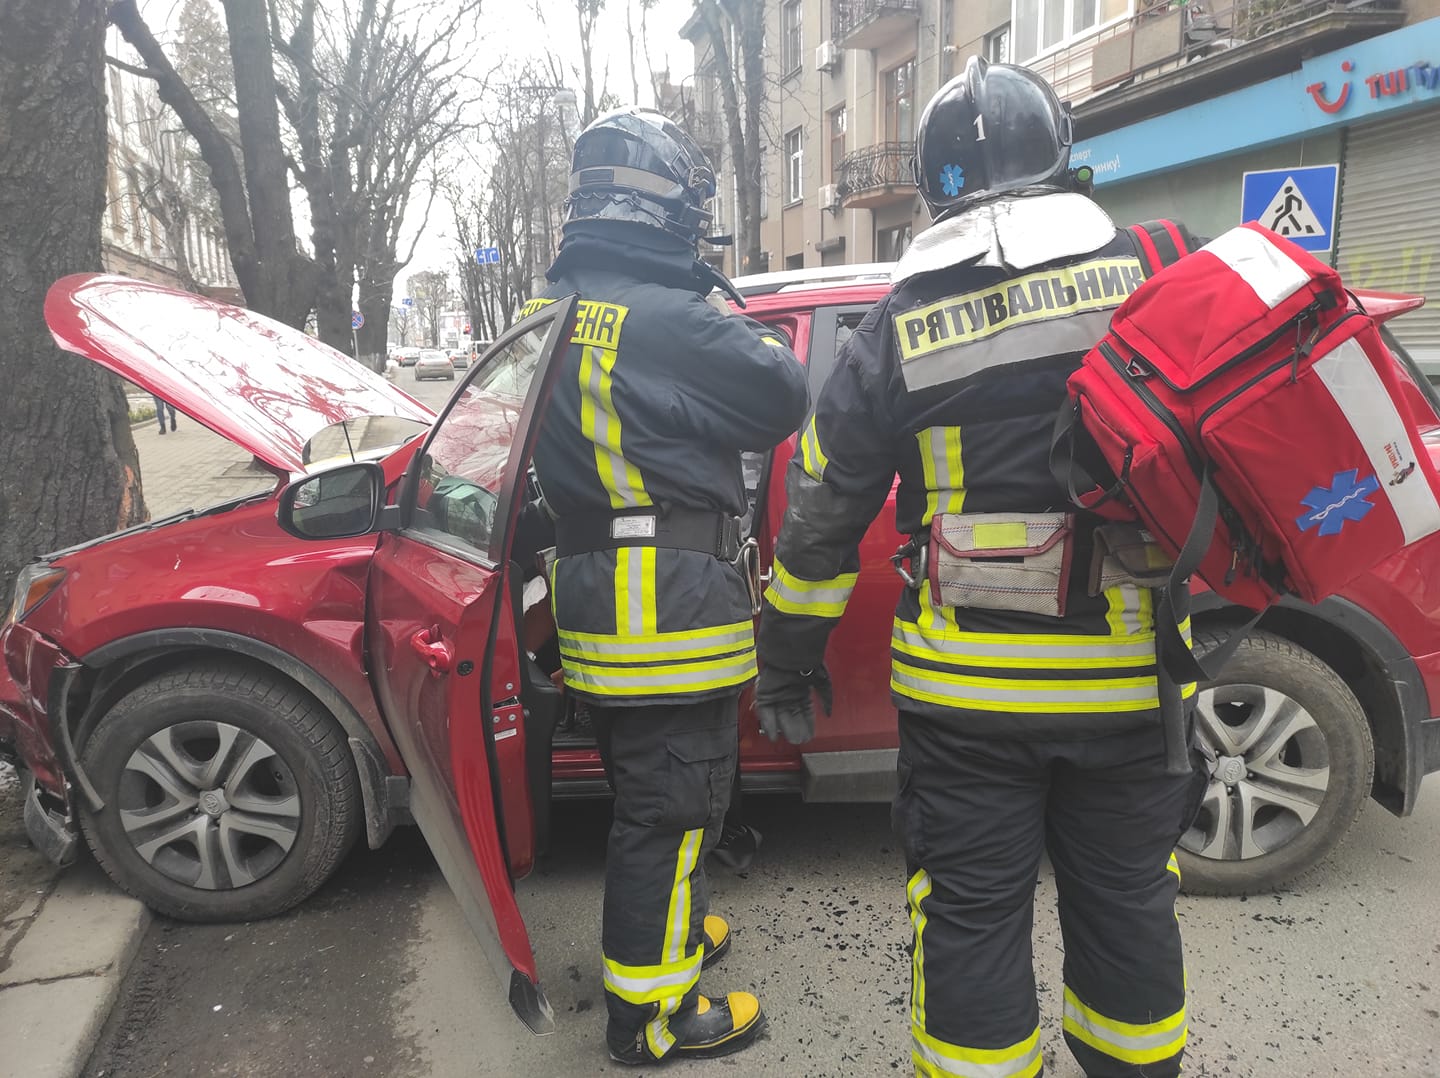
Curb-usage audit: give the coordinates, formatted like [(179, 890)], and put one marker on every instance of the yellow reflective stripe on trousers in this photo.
[(935, 1058), (1173, 866), (916, 892), (1131, 610), (1128, 1042), (661, 678), (1041, 695), (944, 470), (1022, 651), (677, 932), (791, 594), (692, 644), (653, 984), (635, 591), (600, 423), (812, 457)]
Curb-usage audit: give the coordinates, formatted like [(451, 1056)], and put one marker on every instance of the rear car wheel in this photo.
[(230, 795), (1294, 761)]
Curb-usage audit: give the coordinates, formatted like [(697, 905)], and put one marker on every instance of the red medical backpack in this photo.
[(1250, 417)]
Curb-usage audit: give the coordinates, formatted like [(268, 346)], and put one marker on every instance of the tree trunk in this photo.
[(71, 471), (290, 279), (375, 299)]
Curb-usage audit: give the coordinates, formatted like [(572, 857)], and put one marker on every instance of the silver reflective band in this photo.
[(619, 648), (954, 647), (957, 1066), (620, 176), (1167, 1039), (1264, 267), (1063, 694)]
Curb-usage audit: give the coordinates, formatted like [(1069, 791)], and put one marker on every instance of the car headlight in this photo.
[(35, 583)]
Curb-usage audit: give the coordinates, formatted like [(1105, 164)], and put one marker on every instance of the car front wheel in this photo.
[(1293, 764), (230, 795)]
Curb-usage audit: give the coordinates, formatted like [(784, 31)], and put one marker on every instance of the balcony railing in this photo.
[(876, 176), (868, 24), (1165, 35)]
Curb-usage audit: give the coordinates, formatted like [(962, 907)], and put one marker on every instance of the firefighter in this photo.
[(1023, 652), (639, 459)]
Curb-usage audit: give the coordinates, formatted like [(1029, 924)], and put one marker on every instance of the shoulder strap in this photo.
[(1160, 244)]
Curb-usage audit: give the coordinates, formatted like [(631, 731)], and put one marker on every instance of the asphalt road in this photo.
[(378, 975)]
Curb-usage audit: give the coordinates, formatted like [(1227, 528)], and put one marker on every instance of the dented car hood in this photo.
[(263, 385)]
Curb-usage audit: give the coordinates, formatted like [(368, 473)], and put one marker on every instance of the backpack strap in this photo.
[(1160, 243)]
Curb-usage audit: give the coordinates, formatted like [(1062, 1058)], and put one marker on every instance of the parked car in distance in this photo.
[(223, 700), (406, 357), (434, 364), (459, 359)]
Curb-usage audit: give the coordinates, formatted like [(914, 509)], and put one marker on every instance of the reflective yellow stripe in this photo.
[(944, 470), (661, 678), (812, 457), (677, 932), (599, 421), (1173, 866), (917, 891), (1128, 1042), (935, 1058), (791, 594), (935, 619), (1022, 651), (1014, 694), (635, 591), (654, 647), (653, 984)]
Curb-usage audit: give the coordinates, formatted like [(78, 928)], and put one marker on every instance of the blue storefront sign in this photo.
[(1377, 77), (1298, 203)]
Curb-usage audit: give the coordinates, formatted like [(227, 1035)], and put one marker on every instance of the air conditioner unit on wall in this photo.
[(830, 196), (827, 56)]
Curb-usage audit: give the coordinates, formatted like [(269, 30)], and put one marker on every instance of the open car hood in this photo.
[(263, 385)]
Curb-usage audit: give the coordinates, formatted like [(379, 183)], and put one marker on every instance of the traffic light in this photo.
[(467, 329)]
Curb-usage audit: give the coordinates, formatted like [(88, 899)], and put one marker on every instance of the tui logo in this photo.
[(1345, 500)]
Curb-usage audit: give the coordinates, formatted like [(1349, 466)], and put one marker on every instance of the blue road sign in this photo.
[(407, 302), (1298, 203), (487, 255), (356, 319)]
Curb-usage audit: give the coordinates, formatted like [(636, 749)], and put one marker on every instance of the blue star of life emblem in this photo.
[(1344, 500), (952, 178)]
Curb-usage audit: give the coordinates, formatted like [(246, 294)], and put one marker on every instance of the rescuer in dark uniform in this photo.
[(1023, 662), (639, 459)]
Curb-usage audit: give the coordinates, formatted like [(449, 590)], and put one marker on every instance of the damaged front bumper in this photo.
[(52, 832)]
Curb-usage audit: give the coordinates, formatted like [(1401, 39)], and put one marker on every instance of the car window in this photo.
[(830, 328), (1422, 385), (463, 469)]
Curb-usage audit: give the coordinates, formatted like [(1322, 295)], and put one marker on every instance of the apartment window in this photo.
[(891, 243), (792, 37), (794, 165), (900, 103), (1043, 24), (838, 122), (997, 45)]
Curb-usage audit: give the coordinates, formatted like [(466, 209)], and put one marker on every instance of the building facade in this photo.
[(1175, 101), (158, 224)]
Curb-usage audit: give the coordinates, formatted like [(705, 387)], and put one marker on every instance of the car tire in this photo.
[(1294, 763), (212, 734)]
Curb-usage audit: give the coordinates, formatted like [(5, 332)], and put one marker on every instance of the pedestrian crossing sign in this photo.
[(1297, 203)]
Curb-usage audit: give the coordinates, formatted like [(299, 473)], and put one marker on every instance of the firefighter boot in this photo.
[(718, 1028), (717, 940)]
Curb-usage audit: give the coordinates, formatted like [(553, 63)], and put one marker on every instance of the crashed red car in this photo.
[(222, 701)]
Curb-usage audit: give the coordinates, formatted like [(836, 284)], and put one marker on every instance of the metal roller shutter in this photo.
[(1390, 221)]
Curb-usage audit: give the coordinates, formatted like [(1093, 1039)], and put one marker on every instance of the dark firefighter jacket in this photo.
[(954, 381), (658, 396)]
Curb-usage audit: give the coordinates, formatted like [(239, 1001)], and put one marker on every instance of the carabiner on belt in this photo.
[(748, 562), (917, 553)]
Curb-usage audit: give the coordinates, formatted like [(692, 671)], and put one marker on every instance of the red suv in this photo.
[(222, 700)]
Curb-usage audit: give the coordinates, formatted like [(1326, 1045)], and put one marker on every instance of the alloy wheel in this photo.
[(1269, 775), (209, 805)]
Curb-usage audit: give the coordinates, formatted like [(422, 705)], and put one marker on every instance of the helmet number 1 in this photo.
[(979, 128)]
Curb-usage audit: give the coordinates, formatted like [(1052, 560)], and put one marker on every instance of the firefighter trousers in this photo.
[(974, 816), (671, 767)]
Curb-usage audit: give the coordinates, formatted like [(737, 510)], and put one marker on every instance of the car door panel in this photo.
[(444, 645)]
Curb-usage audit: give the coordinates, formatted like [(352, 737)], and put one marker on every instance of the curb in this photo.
[(63, 956)]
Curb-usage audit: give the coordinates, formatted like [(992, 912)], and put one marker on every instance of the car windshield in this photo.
[(365, 438)]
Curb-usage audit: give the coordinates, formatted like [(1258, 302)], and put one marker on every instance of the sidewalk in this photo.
[(190, 467)]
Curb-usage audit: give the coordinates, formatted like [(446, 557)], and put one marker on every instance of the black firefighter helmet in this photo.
[(636, 165), (994, 129)]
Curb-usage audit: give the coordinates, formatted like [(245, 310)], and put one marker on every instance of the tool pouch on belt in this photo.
[(1001, 561), (1127, 554)]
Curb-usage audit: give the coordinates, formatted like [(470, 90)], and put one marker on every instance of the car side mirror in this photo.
[(340, 503)]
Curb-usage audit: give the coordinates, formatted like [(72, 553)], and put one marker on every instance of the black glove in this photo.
[(783, 705)]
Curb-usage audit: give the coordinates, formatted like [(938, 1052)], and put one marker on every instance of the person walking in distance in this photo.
[(639, 459), (1024, 661), (160, 407)]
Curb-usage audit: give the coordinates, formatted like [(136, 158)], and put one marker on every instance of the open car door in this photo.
[(442, 634)]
